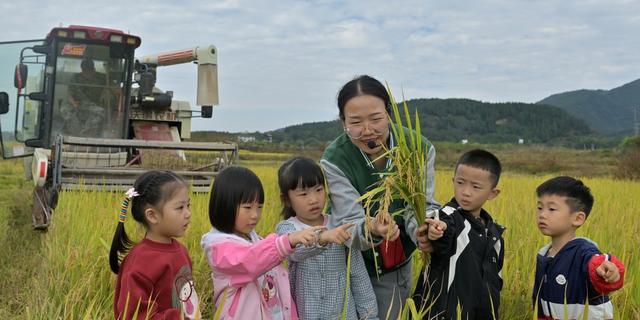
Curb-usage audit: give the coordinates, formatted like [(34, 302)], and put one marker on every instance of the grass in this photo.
[(21, 249), (64, 273), (536, 160)]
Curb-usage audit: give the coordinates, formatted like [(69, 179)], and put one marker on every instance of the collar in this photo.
[(216, 235), (484, 214), (568, 246), (301, 225), (173, 246)]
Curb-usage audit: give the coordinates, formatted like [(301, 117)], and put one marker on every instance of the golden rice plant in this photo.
[(407, 178), (64, 273)]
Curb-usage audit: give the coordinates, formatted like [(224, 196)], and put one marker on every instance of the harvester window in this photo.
[(22, 121), (90, 93), (87, 85)]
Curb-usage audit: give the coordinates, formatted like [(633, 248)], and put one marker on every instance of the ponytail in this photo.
[(121, 242)]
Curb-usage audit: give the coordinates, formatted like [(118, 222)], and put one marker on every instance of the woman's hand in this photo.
[(305, 237), (336, 235), (381, 230), (423, 239)]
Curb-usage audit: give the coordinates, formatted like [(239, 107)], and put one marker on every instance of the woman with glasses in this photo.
[(353, 163)]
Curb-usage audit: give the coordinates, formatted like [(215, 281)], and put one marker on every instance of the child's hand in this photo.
[(436, 228), (336, 235), (381, 230), (306, 237), (608, 271)]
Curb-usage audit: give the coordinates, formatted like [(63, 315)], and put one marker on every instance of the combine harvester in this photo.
[(87, 114)]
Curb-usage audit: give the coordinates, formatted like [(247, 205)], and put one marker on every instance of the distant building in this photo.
[(520, 141), (464, 141), (246, 138)]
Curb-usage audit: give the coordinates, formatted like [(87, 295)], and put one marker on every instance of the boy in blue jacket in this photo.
[(571, 273)]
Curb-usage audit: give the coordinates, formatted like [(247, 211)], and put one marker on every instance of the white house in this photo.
[(246, 138)]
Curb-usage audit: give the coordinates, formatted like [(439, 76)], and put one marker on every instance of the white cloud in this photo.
[(283, 62)]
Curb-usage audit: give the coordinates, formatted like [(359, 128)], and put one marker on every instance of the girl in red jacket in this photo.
[(154, 278)]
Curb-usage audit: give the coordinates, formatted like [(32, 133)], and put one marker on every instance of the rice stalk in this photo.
[(406, 179)]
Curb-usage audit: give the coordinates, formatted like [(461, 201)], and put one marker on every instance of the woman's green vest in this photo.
[(363, 177)]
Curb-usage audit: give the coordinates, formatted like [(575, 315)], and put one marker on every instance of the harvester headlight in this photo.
[(131, 40), (80, 34), (116, 38), (63, 33)]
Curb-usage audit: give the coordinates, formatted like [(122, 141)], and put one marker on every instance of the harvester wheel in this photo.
[(41, 212)]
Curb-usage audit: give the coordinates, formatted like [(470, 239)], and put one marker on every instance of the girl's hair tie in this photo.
[(131, 193)]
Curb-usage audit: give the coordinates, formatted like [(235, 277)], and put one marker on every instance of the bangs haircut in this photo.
[(482, 159), (232, 187), (578, 195), (298, 172)]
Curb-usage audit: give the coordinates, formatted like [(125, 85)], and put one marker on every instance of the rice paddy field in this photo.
[(64, 274)]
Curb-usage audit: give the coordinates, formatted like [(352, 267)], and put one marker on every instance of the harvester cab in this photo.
[(85, 113)]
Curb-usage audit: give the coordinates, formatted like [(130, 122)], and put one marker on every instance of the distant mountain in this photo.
[(476, 121), (447, 120), (609, 112), (308, 133)]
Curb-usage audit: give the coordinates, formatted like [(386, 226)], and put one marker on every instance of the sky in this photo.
[(282, 62)]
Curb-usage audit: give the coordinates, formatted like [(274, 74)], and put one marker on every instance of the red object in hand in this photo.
[(392, 253)]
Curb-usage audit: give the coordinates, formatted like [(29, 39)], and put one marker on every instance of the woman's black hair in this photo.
[(359, 86), (153, 188), (233, 186), (297, 172)]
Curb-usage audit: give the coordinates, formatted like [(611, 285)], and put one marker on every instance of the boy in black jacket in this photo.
[(468, 248)]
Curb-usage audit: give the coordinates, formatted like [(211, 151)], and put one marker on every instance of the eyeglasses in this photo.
[(356, 131)]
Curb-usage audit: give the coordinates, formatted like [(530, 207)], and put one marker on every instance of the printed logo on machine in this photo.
[(71, 49)]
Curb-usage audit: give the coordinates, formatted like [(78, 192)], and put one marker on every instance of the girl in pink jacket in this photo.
[(248, 279)]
